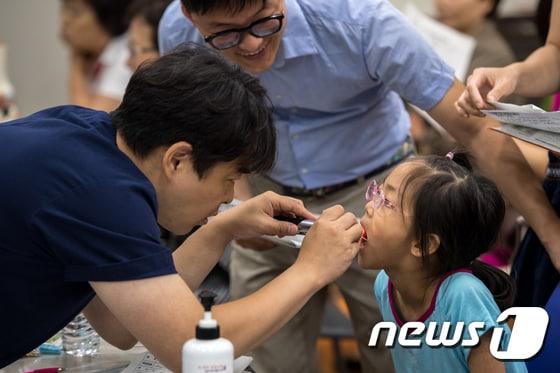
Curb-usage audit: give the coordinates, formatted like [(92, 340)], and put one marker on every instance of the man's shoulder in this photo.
[(349, 12), (174, 28)]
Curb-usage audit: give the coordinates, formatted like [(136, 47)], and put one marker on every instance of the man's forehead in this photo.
[(232, 15)]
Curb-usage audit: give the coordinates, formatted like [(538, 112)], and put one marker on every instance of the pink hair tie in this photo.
[(450, 156)]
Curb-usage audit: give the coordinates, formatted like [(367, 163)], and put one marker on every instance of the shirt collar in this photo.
[(297, 39)]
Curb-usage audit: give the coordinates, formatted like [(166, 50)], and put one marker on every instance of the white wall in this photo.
[(37, 60)]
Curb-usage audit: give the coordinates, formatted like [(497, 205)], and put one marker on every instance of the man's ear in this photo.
[(432, 246), (177, 157), (186, 12)]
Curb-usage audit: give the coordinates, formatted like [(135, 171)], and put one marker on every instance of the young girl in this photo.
[(425, 226)]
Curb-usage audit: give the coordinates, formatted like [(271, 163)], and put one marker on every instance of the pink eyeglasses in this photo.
[(374, 194)]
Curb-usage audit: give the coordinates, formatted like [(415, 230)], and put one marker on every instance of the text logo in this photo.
[(526, 339)]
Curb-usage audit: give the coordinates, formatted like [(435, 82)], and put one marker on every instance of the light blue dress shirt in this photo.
[(459, 297), (335, 86)]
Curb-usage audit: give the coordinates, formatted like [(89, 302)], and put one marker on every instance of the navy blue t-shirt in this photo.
[(73, 209)]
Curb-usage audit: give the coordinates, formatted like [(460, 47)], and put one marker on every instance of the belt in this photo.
[(406, 150)]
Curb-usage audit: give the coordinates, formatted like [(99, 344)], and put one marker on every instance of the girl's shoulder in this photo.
[(381, 284), (466, 295)]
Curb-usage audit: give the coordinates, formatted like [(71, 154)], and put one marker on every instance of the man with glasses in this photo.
[(336, 71)]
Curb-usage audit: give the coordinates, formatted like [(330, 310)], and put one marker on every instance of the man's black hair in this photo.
[(151, 11), (205, 6), (193, 94), (111, 14)]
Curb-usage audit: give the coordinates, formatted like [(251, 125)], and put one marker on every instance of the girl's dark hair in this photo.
[(193, 94), (111, 14), (465, 210), (151, 11), (204, 6)]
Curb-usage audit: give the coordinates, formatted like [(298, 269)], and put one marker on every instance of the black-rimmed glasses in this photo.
[(261, 28)]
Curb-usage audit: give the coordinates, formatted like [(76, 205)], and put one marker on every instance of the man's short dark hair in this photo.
[(193, 94), (151, 12), (204, 6), (111, 14)]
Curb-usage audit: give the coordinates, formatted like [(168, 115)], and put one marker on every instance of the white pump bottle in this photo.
[(208, 353)]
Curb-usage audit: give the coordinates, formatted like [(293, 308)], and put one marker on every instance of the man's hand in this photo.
[(255, 217), (330, 245), (486, 84)]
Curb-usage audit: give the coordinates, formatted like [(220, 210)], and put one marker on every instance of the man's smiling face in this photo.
[(254, 54)]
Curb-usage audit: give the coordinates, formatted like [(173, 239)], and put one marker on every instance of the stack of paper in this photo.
[(528, 123)]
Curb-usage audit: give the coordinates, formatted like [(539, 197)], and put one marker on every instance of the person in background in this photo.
[(537, 264), (144, 18), (477, 19), (94, 31)]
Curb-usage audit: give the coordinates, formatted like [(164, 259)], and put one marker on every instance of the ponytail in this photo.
[(497, 281)]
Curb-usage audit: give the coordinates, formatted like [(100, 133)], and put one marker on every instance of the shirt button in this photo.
[(304, 170), (295, 137)]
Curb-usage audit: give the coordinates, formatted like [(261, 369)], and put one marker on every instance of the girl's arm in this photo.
[(480, 359)]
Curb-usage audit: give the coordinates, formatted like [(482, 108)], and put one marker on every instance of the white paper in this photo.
[(541, 121), (454, 47), (147, 363), (516, 108), (547, 140), (290, 241)]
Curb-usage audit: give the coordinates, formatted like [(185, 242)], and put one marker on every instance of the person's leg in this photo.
[(292, 348)]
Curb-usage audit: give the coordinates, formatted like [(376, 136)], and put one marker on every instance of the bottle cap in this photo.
[(207, 328)]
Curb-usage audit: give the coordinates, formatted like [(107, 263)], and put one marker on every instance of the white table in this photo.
[(108, 360)]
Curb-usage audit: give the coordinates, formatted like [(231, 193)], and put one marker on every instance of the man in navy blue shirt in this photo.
[(83, 193)]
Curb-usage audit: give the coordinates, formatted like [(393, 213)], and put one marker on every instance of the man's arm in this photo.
[(500, 159), (162, 311), (107, 325)]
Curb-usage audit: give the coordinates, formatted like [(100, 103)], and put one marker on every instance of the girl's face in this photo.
[(80, 28), (387, 224), (141, 44)]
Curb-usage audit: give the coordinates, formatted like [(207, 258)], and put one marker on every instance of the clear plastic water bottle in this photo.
[(79, 338)]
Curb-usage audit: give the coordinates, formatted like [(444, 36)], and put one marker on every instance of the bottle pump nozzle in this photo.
[(207, 328), (207, 298)]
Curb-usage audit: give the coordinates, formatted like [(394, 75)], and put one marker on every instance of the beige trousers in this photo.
[(292, 349)]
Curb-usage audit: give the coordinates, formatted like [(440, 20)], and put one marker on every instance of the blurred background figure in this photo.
[(94, 30), (8, 110), (144, 18), (477, 19)]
